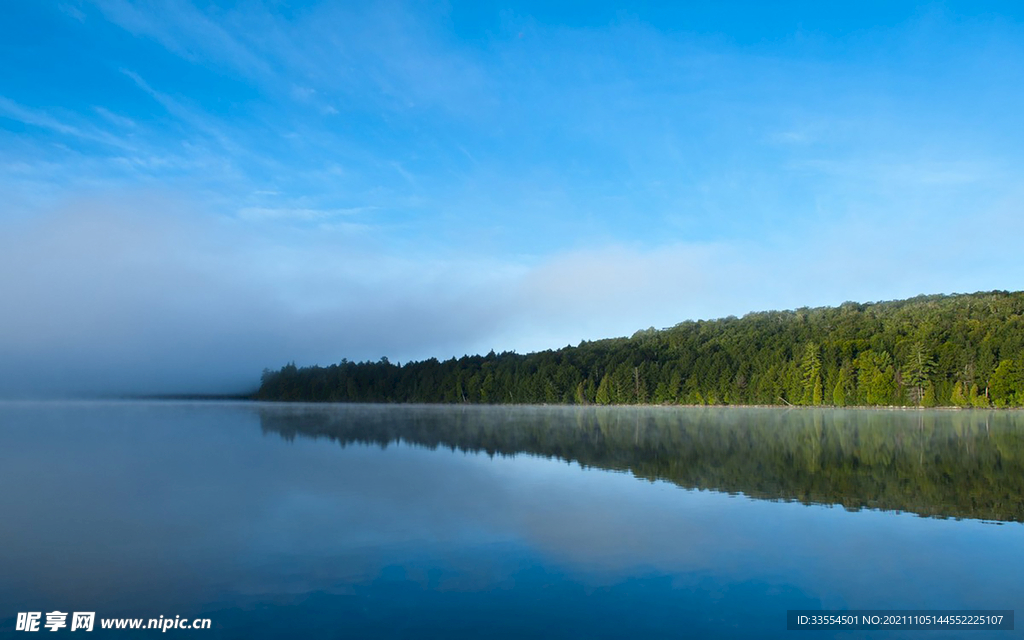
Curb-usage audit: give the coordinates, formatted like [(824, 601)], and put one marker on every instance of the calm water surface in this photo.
[(466, 522)]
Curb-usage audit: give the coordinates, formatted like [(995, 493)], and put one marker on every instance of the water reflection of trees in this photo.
[(941, 464)]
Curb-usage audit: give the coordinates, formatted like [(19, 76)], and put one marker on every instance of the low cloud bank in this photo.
[(139, 297)]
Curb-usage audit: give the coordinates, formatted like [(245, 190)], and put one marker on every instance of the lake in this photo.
[(357, 521)]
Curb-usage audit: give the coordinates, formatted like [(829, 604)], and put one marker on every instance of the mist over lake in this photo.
[(438, 521)]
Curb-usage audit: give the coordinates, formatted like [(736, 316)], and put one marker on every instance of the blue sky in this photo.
[(192, 192)]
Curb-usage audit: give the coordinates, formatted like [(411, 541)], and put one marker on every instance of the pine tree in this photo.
[(1003, 384), (662, 394), (929, 396), (811, 374), (919, 366), (958, 398), (839, 394), (604, 395), (876, 377), (977, 399), (843, 384)]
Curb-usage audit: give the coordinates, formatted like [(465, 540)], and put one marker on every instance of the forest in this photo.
[(959, 350)]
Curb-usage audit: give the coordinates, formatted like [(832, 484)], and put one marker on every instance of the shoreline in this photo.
[(242, 398), (643, 406)]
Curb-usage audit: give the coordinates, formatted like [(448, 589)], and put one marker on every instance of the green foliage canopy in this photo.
[(955, 350)]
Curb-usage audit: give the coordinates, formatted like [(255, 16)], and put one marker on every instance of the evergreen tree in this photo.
[(811, 375), (581, 394), (604, 395), (1004, 384), (918, 367), (958, 399), (839, 394), (977, 399), (876, 377), (929, 396), (844, 385)]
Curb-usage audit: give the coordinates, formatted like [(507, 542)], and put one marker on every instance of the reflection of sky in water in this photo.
[(149, 509)]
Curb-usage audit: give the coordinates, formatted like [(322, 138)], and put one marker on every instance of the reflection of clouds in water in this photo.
[(123, 503)]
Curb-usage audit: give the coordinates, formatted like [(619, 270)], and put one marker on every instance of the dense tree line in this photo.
[(932, 463), (962, 350)]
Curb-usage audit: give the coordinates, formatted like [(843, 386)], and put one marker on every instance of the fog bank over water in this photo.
[(146, 295)]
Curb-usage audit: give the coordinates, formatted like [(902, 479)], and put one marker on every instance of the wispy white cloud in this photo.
[(299, 214), (927, 172), (192, 117), (71, 10), (185, 30), (39, 118), (115, 119)]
